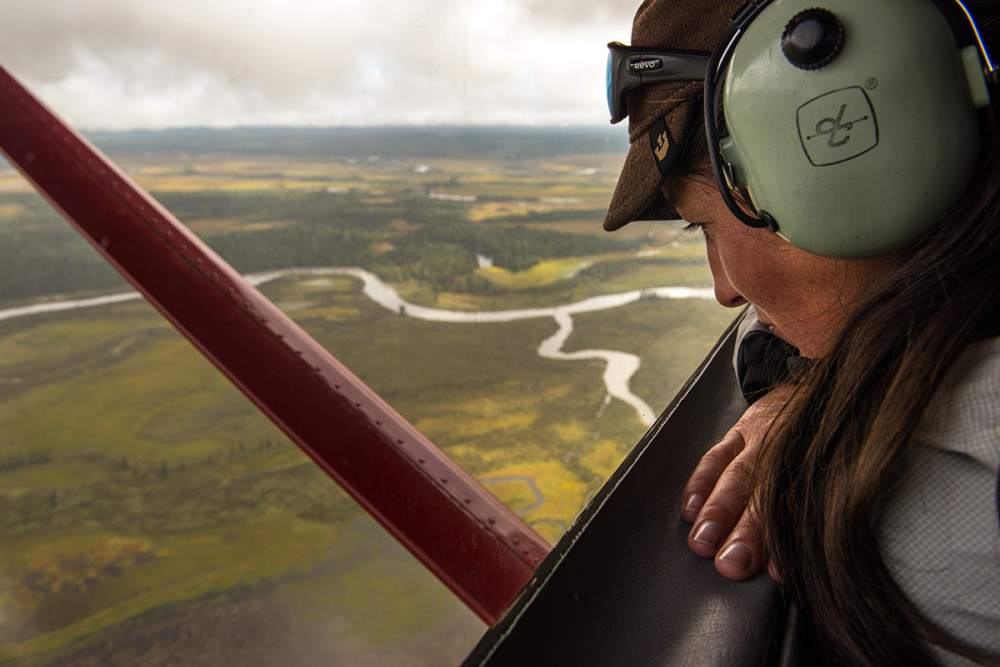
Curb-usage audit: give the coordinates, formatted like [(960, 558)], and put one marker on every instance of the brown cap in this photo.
[(661, 115)]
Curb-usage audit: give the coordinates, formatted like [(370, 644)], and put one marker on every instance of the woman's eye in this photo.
[(694, 226)]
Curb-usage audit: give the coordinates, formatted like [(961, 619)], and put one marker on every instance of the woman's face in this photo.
[(805, 299)]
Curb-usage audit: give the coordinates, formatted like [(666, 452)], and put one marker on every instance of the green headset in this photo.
[(849, 129)]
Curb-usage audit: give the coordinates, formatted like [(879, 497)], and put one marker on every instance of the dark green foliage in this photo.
[(41, 254), (518, 248)]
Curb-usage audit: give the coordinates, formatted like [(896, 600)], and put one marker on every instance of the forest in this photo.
[(41, 254), (385, 221)]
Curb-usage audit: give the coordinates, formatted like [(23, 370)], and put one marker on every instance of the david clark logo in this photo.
[(837, 126)]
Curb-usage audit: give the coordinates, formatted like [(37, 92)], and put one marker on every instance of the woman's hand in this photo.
[(716, 496)]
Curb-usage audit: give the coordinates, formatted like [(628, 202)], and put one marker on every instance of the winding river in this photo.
[(619, 369)]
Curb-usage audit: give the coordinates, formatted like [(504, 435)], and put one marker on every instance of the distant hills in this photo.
[(496, 143)]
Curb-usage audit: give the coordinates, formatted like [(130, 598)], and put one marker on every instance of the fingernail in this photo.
[(708, 533), (738, 555), (694, 503)]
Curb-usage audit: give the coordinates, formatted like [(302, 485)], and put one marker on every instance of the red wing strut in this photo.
[(462, 533)]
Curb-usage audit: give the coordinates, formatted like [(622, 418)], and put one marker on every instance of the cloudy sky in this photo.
[(116, 64)]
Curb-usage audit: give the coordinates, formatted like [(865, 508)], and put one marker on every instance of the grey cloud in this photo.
[(323, 62)]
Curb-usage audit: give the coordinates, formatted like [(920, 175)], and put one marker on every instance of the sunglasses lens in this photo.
[(609, 81)]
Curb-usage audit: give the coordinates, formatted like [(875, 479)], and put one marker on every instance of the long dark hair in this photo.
[(826, 474)]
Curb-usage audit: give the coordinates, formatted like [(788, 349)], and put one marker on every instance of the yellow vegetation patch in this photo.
[(496, 209), (403, 225), (515, 494), (99, 579), (470, 427), (451, 301), (382, 248), (19, 481), (572, 433), (218, 225), (9, 211), (204, 173), (76, 571), (478, 417), (58, 340), (560, 494), (543, 273), (603, 459), (14, 183)]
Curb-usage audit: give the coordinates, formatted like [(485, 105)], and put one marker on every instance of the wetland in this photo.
[(148, 513)]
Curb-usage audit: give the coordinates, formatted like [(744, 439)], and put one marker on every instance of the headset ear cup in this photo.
[(862, 155)]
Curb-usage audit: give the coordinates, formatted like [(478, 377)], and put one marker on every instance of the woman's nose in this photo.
[(725, 292)]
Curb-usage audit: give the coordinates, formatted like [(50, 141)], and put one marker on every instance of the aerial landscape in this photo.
[(148, 512)]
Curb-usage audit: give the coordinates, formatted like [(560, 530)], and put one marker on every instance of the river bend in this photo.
[(619, 366)]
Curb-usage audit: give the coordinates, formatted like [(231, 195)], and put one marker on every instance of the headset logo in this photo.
[(837, 126)]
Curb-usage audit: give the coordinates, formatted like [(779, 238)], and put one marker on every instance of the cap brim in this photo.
[(656, 147), (638, 186)]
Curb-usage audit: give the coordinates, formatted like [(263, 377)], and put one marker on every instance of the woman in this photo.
[(872, 471)]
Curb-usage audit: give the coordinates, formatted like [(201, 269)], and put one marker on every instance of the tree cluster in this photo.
[(40, 254)]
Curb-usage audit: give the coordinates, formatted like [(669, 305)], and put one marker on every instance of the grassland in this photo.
[(142, 498)]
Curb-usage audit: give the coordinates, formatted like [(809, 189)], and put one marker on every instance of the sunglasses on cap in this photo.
[(630, 67)]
